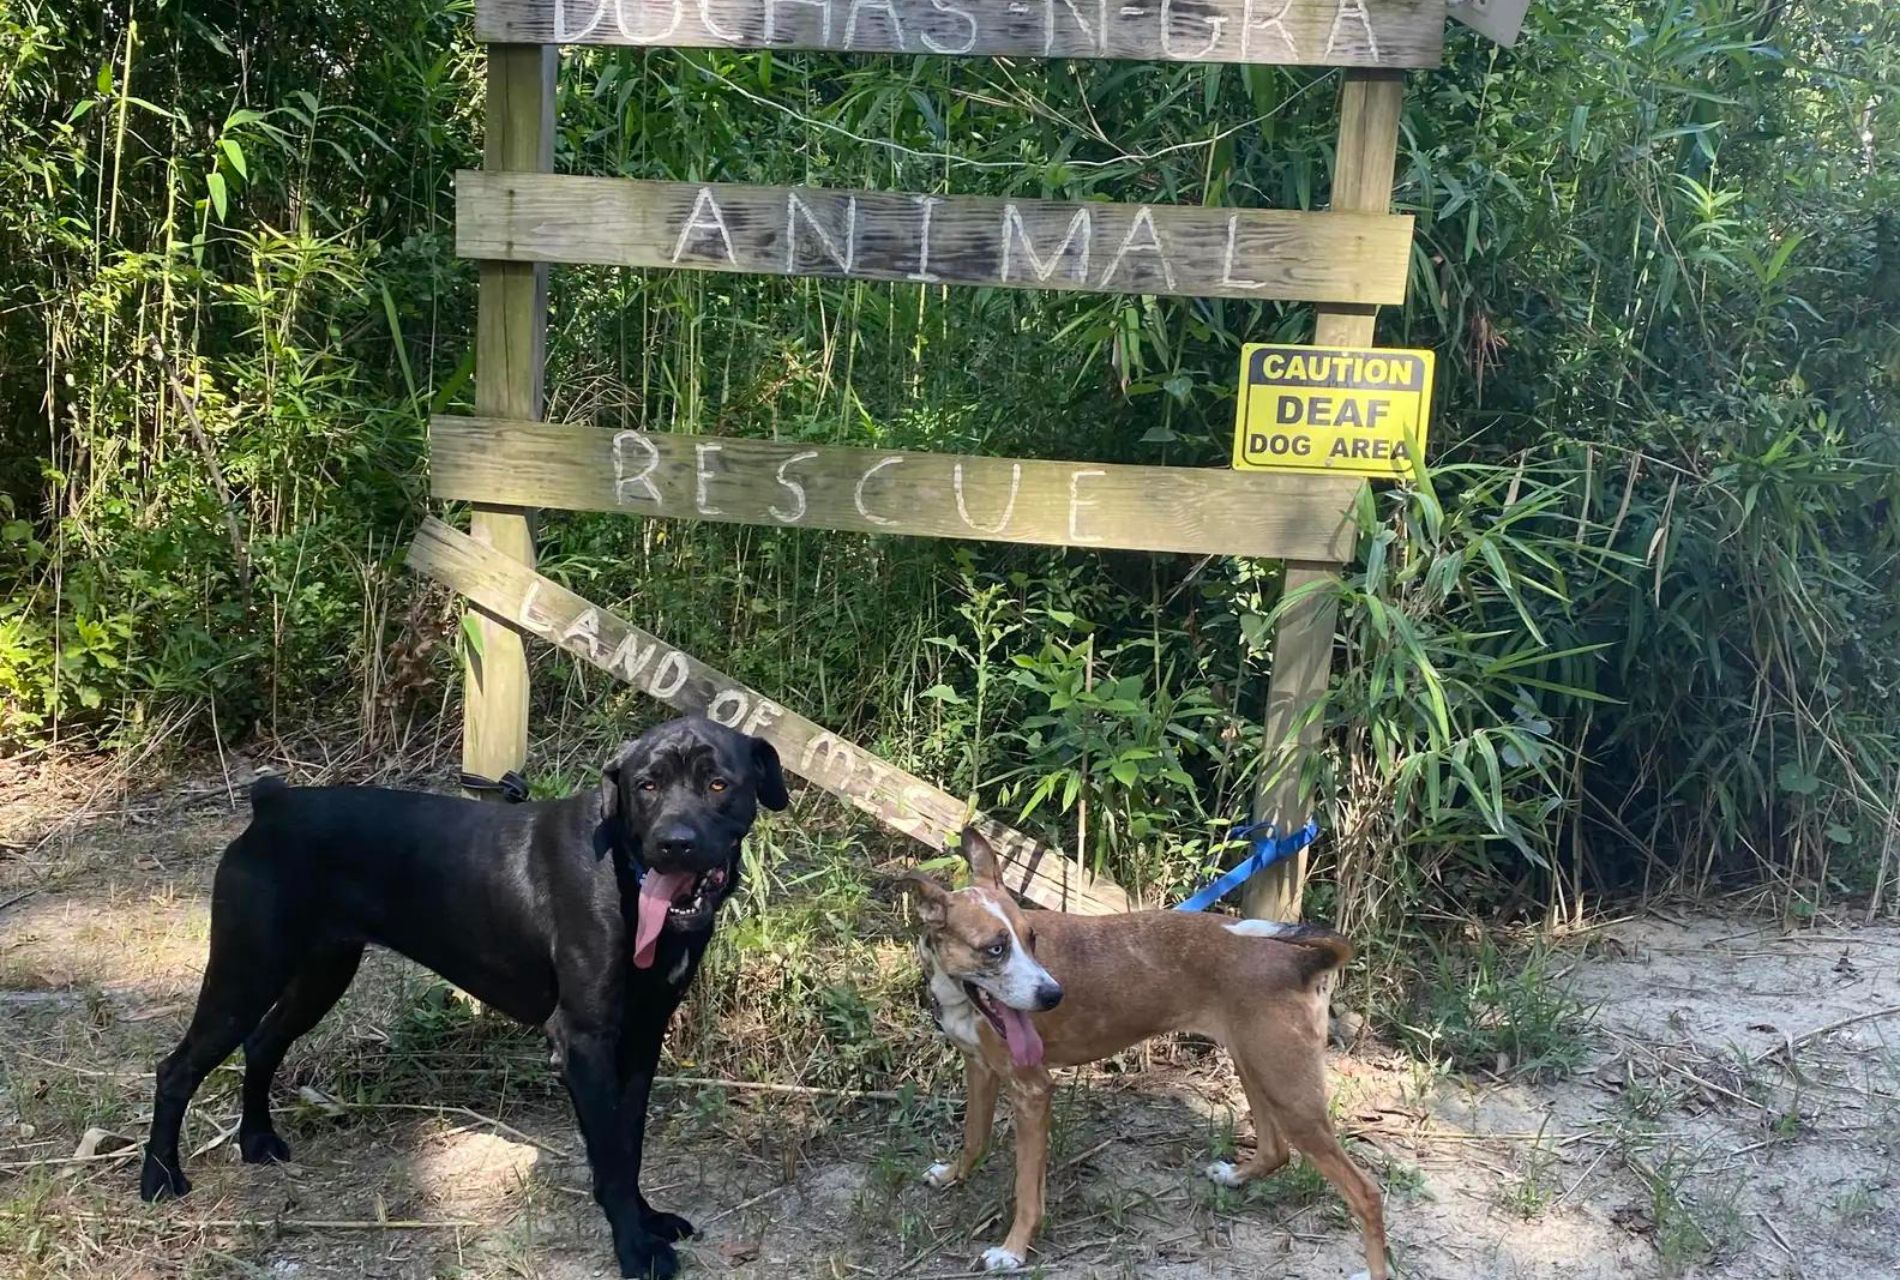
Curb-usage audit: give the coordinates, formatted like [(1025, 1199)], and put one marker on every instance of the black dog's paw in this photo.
[(156, 1182), (669, 1226), (263, 1148), (649, 1259)]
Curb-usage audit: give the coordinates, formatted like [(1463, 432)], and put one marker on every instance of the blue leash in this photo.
[(1267, 850)]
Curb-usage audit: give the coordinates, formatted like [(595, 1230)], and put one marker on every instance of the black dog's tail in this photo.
[(266, 787)]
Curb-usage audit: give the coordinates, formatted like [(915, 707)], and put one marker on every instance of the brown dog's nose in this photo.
[(1048, 996)]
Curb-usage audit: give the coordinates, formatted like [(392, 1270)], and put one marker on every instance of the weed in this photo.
[(1531, 1192), (62, 1101), (1690, 1228), (1488, 1009), (1223, 1138), (1857, 1205), (1644, 1100), (1403, 1178), (1299, 1182)]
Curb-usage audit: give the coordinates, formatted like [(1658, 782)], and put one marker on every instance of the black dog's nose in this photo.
[(674, 843), (1048, 996)]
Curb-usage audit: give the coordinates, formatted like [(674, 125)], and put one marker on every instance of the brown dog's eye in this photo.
[(997, 950), (717, 784)]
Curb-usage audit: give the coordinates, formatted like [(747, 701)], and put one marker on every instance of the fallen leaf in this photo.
[(98, 1142), (320, 1100), (156, 1011)]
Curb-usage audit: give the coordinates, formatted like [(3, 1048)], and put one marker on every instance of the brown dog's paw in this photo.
[(997, 1258)]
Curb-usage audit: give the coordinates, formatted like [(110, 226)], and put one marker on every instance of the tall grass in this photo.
[(1637, 629)]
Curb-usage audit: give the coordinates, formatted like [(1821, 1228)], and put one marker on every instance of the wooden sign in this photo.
[(970, 240), (541, 607), (790, 484), (1500, 20), (1339, 411), (1333, 33)]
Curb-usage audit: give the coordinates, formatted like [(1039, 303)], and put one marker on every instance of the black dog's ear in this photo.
[(610, 780), (770, 779)]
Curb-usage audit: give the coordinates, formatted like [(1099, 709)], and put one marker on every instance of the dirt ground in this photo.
[(1737, 1114)]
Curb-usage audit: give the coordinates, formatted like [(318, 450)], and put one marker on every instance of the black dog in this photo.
[(586, 917)]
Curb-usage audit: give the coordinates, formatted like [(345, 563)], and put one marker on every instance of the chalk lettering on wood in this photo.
[(791, 484), (1337, 33), (969, 240), (543, 608)]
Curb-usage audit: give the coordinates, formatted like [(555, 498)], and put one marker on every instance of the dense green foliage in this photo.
[(1642, 618)]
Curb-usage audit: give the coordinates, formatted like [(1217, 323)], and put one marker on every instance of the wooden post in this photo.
[(1363, 167), (510, 349)]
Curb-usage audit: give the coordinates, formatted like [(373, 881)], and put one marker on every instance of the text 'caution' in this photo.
[(1332, 410)]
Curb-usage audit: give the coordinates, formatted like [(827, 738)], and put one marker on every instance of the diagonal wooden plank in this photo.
[(792, 484), (543, 608), (1329, 33), (1090, 246)]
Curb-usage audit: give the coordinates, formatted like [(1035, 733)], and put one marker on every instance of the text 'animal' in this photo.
[(970, 240)]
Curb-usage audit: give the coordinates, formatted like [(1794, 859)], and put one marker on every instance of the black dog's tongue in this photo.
[(659, 890)]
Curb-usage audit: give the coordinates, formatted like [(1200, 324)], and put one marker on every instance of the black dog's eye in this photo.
[(717, 784), (649, 784), (996, 950)]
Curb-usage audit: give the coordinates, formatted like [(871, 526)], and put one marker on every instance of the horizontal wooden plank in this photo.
[(1333, 33), (970, 240), (790, 484), (543, 608)]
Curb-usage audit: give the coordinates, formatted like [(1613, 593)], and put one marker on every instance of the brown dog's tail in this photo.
[(1322, 950)]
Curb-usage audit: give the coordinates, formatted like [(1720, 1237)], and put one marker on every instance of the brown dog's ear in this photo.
[(610, 780), (931, 899), (767, 776), (985, 867)]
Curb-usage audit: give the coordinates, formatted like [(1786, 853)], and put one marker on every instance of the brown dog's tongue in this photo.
[(1025, 1046), (658, 891)]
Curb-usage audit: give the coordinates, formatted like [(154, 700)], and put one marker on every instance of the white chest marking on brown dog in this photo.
[(955, 1013)]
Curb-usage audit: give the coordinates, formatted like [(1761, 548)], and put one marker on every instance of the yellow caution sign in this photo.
[(1332, 410)]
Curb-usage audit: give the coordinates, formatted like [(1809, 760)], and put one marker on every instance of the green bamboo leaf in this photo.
[(235, 154), (472, 634)]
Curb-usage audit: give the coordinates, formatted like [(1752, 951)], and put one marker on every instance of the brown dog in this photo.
[(1021, 991)]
